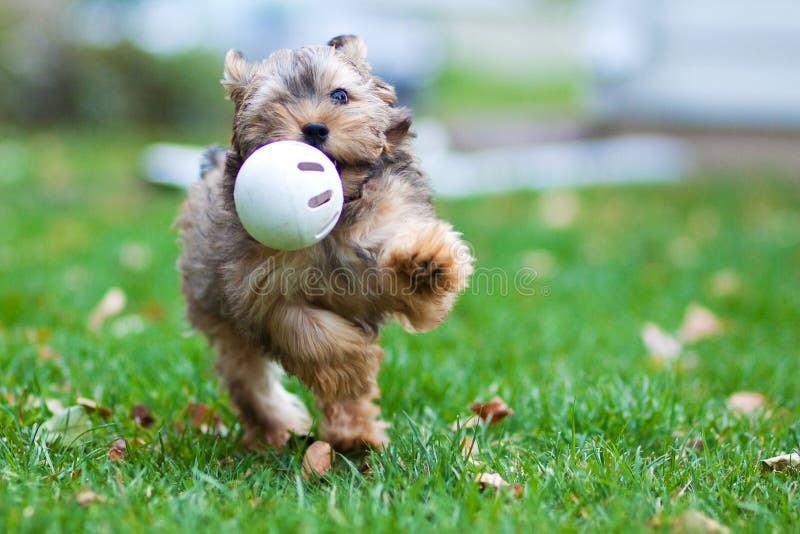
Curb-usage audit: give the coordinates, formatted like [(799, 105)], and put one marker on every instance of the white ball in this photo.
[(288, 195)]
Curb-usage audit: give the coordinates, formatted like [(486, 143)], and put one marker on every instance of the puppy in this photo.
[(388, 257)]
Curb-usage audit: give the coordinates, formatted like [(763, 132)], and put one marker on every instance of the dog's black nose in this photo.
[(315, 133)]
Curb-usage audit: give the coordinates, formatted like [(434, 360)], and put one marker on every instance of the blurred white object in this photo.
[(716, 62), (565, 163), (621, 159), (288, 195), (169, 164)]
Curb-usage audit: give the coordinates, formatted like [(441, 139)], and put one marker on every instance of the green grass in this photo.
[(464, 89), (599, 437)]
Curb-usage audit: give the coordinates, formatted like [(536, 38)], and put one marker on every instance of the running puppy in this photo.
[(316, 312)]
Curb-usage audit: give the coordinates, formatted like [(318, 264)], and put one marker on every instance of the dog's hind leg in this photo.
[(268, 411), (339, 362)]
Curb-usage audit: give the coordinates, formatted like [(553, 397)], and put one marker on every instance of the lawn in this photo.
[(604, 436)]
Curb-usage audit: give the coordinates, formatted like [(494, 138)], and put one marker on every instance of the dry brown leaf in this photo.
[(493, 411), (317, 460), (725, 283), (46, 353), (779, 463), (660, 344), (698, 323), (204, 420), (87, 497), (93, 406), (491, 480), (112, 303), (695, 521), (54, 406), (116, 451), (39, 335), (70, 427), (141, 415), (681, 491), (153, 311), (746, 402), (469, 422), (496, 482), (469, 448)]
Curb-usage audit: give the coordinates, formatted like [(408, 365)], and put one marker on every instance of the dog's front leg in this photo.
[(428, 265), (338, 361)]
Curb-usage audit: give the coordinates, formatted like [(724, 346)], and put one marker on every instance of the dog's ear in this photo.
[(399, 129), (384, 90), (238, 74), (351, 46)]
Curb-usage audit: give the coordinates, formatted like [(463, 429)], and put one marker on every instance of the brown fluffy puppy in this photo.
[(315, 312)]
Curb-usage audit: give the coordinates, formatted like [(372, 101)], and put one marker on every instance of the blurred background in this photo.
[(553, 91), (101, 97), (616, 165)]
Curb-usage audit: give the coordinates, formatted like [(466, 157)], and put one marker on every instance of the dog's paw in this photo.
[(352, 425), (258, 438), (430, 257), (371, 436)]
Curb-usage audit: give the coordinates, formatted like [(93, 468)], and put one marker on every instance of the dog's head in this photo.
[(325, 96)]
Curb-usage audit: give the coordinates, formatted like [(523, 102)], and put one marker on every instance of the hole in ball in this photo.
[(318, 200), (310, 166)]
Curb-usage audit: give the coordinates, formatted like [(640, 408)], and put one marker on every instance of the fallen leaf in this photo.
[(204, 420), (46, 353), (70, 427), (496, 482), (698, 323), (92, 406), (660, 344), (116, 451), (153, 311), (695, 521), (493, 411), (491, 480), (126, 325), (112, 303), (317, 460), (39, 335), (681, 491), (469, 422), (469, 448), (54, 406), (779, 463), (141, 416), (746, 402), (725, 283), (86, 497)]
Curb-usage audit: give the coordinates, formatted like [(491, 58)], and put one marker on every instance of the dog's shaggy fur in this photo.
[(315, 312)]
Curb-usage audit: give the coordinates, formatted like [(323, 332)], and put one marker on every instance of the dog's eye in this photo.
[(339, 96)]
